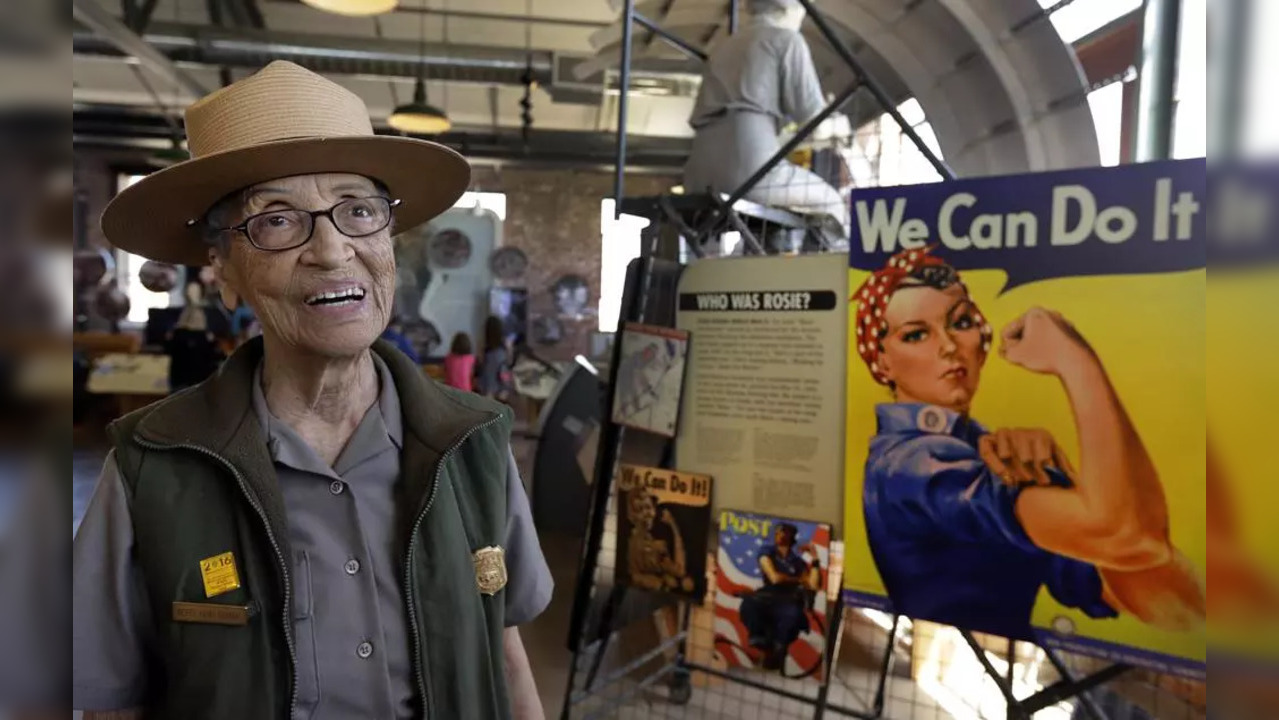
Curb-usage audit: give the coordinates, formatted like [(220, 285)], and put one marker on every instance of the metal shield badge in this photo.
[(490, 569)]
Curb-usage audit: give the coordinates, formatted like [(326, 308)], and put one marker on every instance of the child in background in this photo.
[(495, 371), (459, 364)]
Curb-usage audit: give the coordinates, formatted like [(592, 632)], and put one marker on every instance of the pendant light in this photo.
[(355, 8), (419, 117)]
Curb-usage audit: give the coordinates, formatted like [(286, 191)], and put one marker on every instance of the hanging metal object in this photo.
[(419, 117), (526, 103)]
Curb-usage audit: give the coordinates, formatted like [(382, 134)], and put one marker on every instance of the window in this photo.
[(1081, 17), (127, 265), (620, 244), (1259, 133), (1189, 119), (883, 155), (493, 201), (1107, 104)]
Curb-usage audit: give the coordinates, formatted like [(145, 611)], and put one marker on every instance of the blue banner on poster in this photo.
[(1133, 219)]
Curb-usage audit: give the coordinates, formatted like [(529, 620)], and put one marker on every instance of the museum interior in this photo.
[(711, 288)]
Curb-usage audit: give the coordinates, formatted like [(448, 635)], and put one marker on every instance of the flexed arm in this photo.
[(1116, 515)]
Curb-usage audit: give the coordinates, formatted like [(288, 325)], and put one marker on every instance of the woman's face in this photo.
[(282, 288), (933, 350), (783, 539)]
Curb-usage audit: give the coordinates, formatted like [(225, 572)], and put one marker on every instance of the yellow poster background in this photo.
[(1149, 331), (1243, 417)]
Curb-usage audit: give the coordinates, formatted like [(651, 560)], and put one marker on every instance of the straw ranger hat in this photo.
[(283, 120)]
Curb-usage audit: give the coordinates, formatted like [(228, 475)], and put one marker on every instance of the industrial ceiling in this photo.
[(1001, 89)]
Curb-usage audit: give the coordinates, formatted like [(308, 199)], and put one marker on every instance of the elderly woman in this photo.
[(967, 525), (317, 531)]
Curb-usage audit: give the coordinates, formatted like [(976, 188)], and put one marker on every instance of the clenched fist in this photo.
[(1043, 341)]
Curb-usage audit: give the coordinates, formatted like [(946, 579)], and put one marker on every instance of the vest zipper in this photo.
[(409, 595), (284, 566)]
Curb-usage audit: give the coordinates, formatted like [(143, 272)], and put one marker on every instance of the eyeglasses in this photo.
[(277, 230)]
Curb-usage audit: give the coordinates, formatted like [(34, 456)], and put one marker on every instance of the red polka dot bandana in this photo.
[(872, 301)]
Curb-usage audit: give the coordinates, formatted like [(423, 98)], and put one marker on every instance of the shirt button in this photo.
[(336, 487), (352, 566), (364, 650)]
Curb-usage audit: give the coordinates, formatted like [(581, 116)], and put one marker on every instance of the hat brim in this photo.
[(150, 218)]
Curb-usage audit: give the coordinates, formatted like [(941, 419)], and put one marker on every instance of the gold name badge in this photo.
[(490, 569), (211, 613), (219, 574)]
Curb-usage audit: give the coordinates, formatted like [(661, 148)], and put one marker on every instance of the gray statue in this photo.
[(756, 82)]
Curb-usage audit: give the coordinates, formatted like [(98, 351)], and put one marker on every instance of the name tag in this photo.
[(211, 613)]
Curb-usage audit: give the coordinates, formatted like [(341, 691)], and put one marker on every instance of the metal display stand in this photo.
[(605, 680), (598, 623)]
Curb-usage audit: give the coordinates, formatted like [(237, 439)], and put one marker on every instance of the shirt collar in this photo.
[(383, 419), (922, 418)]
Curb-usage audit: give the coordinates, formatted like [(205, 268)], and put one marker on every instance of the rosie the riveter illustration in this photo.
[(967, 524), (777, 613), (653, 565)]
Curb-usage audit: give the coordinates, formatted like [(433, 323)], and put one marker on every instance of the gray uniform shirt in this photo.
[(350, 621)]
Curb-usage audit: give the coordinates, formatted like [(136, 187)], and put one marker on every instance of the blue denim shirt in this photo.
[(944, 535)]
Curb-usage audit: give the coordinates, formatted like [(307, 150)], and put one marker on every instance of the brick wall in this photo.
[(96, 175), (554, 217)]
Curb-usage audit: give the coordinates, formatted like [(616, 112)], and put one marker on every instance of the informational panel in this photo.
[(1026, 413), (763, 405)]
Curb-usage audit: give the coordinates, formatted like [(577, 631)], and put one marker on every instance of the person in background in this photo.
[(495, 371), (459, 364), (192, 349), (244, 325), (394, 334)]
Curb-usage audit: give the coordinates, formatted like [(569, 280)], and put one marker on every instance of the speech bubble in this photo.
[(1127, 220)]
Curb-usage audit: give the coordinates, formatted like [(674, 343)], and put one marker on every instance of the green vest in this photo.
[(201, 482)]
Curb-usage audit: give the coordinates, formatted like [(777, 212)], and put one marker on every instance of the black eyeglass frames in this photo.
[(278, 230)]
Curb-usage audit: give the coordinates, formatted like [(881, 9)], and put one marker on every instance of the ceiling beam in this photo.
[(236, 10), (126, 126), (128, 42), (255, 14), (215, 18)]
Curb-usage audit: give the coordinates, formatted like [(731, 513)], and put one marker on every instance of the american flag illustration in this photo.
[(738, 573)]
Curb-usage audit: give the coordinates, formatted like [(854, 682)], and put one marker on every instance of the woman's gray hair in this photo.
[(221, 215), (228, 210)]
